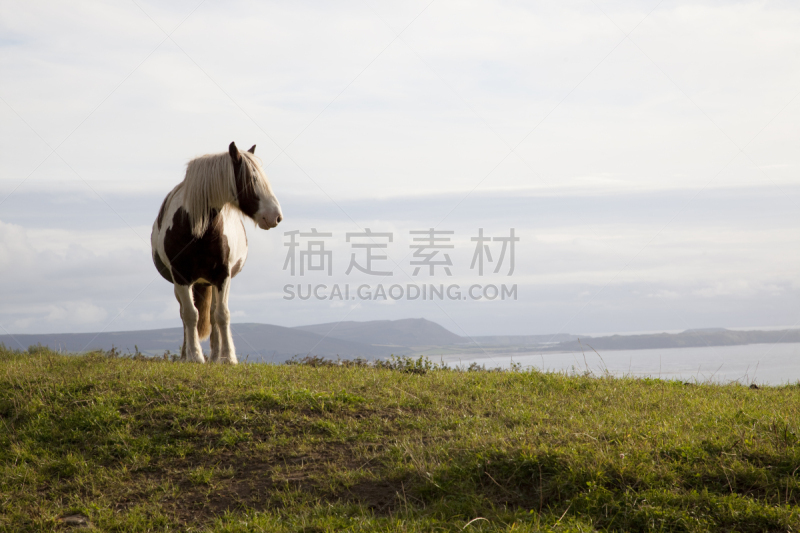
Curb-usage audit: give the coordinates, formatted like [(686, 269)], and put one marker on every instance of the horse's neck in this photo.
[(202, 208), (211, 201)]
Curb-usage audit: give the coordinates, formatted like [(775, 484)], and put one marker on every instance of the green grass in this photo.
[(151, 445)]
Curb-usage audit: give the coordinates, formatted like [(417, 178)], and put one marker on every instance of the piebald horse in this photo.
[(199, 243)]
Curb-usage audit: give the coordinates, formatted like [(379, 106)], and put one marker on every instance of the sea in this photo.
[(762, 364)]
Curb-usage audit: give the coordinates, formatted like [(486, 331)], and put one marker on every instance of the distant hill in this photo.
[(380, 338), (522, 340), (685, 339), (277, 344), (265, 342), (148, 341), (406, 332), (262, 342)]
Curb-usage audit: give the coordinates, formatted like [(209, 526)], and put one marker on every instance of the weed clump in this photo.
[(408, 365)]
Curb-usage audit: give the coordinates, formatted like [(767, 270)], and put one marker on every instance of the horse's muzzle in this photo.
[(269, 221)]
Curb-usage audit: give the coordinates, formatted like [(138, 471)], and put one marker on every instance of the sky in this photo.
[(644, 153)]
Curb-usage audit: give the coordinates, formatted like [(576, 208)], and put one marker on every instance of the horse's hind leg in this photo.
[(214, 357), (227, 353), (191, 340)]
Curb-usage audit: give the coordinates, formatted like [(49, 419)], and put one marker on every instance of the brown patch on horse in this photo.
[(194, 259), (236, 268), (246, 195), (202, 301)]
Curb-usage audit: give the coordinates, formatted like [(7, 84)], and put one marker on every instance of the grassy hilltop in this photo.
[(149, 445)]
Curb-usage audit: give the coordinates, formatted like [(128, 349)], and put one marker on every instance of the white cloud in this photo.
[(72, 313), (15, 252)]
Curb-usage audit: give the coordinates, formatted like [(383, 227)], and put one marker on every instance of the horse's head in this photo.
[(253, 191)]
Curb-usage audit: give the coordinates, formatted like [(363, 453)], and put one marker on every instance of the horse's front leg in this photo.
[(227, 352), (215, 340), (191, 349)]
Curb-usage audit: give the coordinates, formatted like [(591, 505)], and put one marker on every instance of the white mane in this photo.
[(210, 184)]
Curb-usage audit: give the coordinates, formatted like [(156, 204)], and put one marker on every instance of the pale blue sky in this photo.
[(652, 178)]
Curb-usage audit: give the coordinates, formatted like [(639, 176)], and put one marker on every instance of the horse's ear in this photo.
[(234, 152), (252, 149)]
